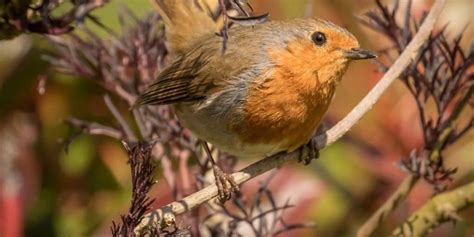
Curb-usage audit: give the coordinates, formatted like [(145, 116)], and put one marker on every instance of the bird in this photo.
[(265, 93)]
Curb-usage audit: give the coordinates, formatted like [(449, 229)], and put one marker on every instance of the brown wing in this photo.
[(181, 81), (205, 70)]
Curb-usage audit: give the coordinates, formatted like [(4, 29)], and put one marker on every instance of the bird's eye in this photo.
[(319, 38)]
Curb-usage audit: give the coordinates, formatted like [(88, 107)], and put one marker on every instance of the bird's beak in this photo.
[(358, 53)]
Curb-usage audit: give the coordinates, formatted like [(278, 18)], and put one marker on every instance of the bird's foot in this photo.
[(308, 152), (226, 185)]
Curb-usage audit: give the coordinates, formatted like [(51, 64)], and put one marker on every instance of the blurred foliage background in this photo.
[(46, 192)]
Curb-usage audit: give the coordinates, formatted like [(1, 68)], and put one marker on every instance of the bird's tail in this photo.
[(186, 21)]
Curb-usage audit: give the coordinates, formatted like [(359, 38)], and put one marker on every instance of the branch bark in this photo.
[(154, 218), (442, 208)]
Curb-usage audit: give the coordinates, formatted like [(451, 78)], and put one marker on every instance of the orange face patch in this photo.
[(289, 105)]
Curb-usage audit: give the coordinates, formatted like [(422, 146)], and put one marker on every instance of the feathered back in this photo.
[(186, 21)]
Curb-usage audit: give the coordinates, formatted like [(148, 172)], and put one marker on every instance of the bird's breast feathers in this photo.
[(288, 106)]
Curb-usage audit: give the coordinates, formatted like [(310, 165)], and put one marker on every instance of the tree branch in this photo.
[(441, 208), (322, 140)]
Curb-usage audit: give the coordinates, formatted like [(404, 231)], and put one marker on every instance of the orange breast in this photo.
[(287, 108)]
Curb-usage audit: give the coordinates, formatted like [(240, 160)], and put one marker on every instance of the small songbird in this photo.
[(266, 93)]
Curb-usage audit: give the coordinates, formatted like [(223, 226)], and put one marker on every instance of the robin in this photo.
[(265, 94)]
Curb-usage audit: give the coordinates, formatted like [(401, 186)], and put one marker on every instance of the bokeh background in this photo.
[(46, 192)]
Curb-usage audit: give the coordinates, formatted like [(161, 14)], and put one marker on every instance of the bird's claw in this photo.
[(226, 185), (308, 152)]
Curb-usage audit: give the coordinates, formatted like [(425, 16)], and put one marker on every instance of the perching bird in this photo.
[(266, 93)]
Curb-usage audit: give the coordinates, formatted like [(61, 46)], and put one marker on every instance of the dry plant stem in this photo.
[(129, 134), (142, 127), (441, 208), (389, 206), (121, 92), (269, 163), (94, 128)]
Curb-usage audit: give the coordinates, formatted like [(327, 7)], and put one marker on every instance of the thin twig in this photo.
[(94, 128), (140, 121), (321, 141), (129, 134)]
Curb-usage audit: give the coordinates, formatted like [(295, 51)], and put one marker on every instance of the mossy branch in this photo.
[(442, 208)]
